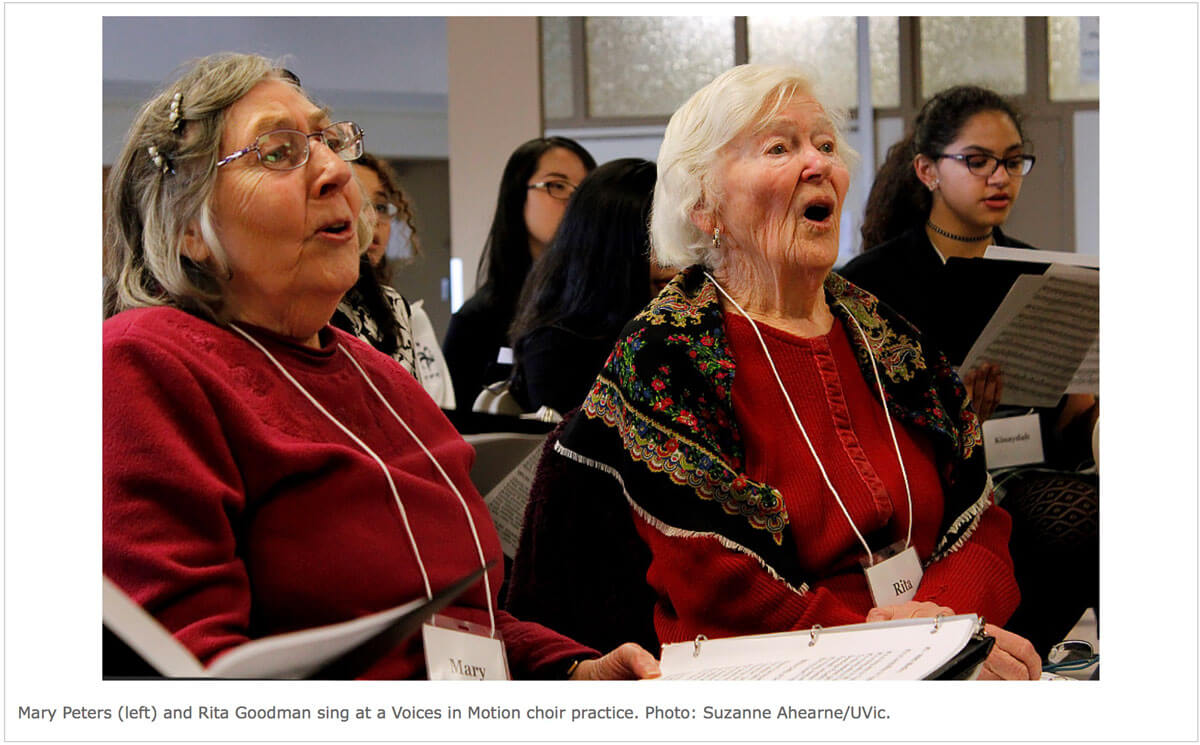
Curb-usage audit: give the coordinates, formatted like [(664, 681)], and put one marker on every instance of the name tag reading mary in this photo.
[(461, 650)]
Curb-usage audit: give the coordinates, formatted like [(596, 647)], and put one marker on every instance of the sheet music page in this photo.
[(1042, 334), (506, 501), (1087, 377), (895, 650)]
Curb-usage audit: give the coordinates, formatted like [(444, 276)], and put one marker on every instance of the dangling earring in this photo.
[(716, 239), (935, 184)]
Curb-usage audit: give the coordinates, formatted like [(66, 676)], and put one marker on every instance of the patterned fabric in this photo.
[(1061, 508), (353, 316), (660, 419)]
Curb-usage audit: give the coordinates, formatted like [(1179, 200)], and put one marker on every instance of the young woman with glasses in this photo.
[(944, 191), (537, 182)]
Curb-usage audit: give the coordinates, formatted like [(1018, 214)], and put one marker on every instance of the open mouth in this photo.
[(819, 210), (336, 228)]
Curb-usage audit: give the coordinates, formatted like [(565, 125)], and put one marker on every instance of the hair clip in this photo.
[(175, 117), (160, 160)]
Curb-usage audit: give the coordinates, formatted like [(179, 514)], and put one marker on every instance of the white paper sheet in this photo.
[(893, 650), (1013, 441), (1042, 257), (284, 656), (506, 501)]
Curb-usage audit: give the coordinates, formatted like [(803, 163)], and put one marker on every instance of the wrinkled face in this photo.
[(782, 189), (383, 222), (543, 212), (289, 236), (964, 202)]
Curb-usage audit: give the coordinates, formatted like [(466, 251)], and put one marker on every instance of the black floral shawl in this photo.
[(659, 419)]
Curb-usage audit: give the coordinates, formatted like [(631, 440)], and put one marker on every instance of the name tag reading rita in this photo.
[(461, 650), (1013, 441), (896, 579)]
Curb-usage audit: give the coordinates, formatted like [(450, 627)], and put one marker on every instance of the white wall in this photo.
[(388, 72), (610, 143), (1087, 182), (495, 104)]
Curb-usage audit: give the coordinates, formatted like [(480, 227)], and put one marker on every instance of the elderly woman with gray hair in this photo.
[(768, 447), (263, 471)]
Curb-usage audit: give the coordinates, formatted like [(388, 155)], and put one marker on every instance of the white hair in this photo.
[(743, 98)]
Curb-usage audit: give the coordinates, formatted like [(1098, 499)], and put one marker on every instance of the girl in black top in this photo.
[(593, 279), (943, 191), (537, 182)]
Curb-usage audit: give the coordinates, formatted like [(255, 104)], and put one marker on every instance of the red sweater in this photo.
[(233, 509), (843, 417)]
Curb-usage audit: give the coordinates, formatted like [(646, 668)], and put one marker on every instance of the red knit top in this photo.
[(233, 509), (842, 413)]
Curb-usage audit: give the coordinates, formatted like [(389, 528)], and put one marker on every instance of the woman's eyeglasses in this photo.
[(385, 210), (286, 149), (985, 165), (558, 189)]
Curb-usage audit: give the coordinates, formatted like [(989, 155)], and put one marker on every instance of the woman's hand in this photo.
[(1012, 658), (627, 662), (910, 609), (984, 386)]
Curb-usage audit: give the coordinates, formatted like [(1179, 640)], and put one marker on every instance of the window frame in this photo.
[(1035, 101)]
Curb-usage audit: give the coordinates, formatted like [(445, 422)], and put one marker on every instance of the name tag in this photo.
[(504, 356), (895, 580), (461, 650), (1013, 441)]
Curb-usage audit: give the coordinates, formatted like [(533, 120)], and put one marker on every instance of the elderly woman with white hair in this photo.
[(263, 471), (767, 447)]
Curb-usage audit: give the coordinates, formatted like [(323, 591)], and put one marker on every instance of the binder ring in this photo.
[(696, 644), (813, 633), (937, 623)]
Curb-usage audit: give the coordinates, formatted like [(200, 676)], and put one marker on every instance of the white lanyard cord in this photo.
[(891, 429), (360, 443), (487, 585), (379, 461), (800, 425)]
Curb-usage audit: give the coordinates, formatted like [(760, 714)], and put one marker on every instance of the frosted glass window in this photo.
[(981, 51), (558, 92), (885, 61), (1065, 82), (649, 66), (827, 48)]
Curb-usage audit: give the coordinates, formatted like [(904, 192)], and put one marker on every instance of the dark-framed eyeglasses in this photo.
[(385, 210), (558, 189), (985, 165), (286, 149)]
